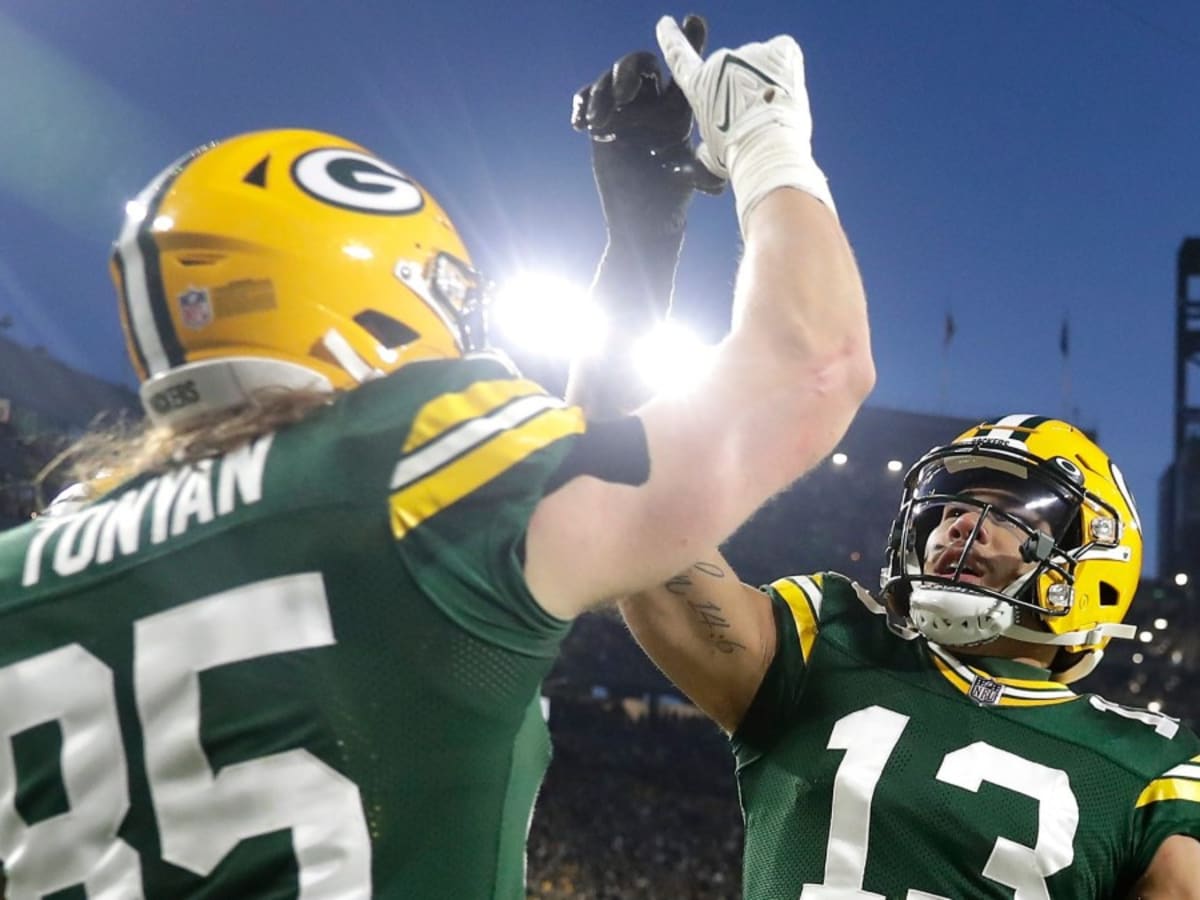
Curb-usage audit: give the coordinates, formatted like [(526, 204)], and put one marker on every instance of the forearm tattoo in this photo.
[(708, 614)]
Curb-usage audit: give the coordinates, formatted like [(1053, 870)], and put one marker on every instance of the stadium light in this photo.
[(1145, 637), (894, 465), (670, 356), (839, 459), (1137, 659), (1154, 706), (548, 315), (1181, 579), (1160, 623)]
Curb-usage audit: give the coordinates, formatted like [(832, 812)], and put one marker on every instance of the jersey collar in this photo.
[(990, 681)]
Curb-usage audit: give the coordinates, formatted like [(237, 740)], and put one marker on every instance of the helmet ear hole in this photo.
[(391, 333), (1109, 595)]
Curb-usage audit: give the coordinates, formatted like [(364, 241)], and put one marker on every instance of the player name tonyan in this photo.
[(164, 507)]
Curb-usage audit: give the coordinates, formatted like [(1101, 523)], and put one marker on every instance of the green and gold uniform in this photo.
[(874, 764), (308, 668)]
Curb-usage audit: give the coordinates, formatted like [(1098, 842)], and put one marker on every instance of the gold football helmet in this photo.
[(286, 259), (1081, 541)]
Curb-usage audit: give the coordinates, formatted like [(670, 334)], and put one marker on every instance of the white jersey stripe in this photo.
[(1184, 771), (443, 449), (811, 591)]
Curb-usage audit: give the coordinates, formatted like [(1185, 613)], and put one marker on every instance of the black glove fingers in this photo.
[(579, 105), (632, 74), (600, 104)]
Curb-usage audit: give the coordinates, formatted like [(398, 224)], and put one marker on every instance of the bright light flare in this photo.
[(1181, 579), (671, 357), (548, 315), (839, 459)]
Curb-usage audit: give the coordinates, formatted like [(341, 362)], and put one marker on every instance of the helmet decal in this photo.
[(352, 180)]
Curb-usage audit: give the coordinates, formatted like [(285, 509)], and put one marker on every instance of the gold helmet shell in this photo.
[(286, 258)]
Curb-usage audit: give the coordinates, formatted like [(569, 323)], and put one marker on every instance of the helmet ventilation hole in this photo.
[(390, 333), (1109, 595)]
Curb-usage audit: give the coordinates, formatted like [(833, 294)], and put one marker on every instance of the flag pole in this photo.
[(947, 337), (1064, 350)]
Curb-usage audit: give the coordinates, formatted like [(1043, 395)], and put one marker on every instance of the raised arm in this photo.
[(783, 385), (712, 635), (1173, 873)]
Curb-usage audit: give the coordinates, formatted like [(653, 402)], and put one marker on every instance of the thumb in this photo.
[(681, 57)]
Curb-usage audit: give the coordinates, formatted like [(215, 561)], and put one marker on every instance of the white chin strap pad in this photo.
[(956, 617), (175, 397)]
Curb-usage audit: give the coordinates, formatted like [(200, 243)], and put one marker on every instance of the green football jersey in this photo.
[(875, 764), (308, 668)]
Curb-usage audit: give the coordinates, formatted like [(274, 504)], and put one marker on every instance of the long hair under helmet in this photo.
[(1081, 542), (286, 259)]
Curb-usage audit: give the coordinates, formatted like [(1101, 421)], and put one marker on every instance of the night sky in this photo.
[(1016, 165)]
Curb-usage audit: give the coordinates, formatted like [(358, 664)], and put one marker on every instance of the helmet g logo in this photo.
[(352, 180)]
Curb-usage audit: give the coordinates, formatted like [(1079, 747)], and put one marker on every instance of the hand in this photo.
[(641, 154), (751, 105), (646, 173)]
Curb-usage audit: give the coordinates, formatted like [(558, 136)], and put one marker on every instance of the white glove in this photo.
[(752, 110)]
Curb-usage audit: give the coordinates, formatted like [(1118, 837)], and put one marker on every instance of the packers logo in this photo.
[(352, 180)]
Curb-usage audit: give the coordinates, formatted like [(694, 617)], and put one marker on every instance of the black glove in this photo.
[(646, 173)]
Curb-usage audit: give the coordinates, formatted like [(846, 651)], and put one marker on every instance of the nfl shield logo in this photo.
[(986, 692), (195, 309)]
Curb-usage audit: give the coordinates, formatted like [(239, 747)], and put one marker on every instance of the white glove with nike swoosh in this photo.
[(752, 110)]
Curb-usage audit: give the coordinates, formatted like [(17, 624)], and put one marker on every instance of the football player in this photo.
[(927, 743), (289, 641)]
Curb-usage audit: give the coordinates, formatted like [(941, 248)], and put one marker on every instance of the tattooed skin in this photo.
[(707, 613)]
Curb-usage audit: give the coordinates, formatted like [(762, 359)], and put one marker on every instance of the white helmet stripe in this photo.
[(1002, 429), (149, 320)]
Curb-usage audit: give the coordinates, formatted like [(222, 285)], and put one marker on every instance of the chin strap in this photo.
[(178, 396), (1071, 638)]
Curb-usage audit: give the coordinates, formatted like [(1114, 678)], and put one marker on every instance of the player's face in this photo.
[(994, 559)]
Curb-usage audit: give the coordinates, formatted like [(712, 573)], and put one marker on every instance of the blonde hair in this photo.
[(111, 454)]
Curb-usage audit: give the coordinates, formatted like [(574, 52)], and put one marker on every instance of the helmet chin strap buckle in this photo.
[(1037, 547)]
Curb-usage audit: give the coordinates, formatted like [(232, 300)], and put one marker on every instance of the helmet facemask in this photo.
[(976, 536)]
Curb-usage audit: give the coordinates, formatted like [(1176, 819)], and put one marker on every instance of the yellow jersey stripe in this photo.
[(436, 453), (1028, 684), (950, 674), (1010, 700), (1169, 789), (422, 497), (442, 413), (804, 611)]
